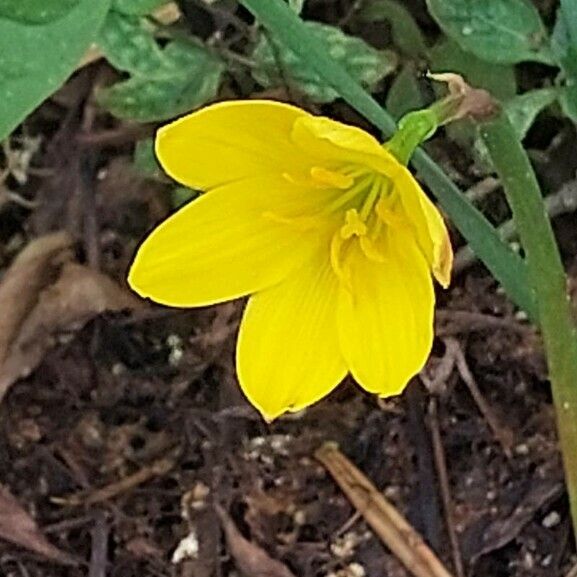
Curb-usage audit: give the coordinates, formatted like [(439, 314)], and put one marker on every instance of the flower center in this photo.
[(363, 199)]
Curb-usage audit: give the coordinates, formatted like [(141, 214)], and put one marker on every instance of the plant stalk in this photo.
[(548, 280)]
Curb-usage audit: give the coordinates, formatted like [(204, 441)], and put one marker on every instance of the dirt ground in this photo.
[(126, 448)]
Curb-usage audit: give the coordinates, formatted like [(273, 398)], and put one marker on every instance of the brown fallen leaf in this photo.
[(35, 267), (18, 527), (250, 559), (78, 295)]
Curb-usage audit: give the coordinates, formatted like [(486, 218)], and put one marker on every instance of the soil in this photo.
[(126, 448)]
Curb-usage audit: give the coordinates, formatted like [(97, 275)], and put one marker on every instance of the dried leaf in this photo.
[(16, 526), (79, 295), (249, 558), (30, 272)]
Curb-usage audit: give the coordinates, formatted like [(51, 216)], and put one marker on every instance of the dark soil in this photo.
[(131, 430)]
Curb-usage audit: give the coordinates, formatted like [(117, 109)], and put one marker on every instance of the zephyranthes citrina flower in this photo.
[(326, 230)]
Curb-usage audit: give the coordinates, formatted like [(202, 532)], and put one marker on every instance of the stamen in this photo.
[(343, 199), (388, 214), (354, 225), (371, 198), (330, 178), (337, 246)]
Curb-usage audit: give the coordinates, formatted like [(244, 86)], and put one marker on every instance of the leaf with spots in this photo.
[(500, 31), (276, 64), (165, 81), (35, 60), (29, 12)]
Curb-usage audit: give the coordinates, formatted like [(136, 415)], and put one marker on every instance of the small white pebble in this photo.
[(522, 449), (551, 520), (186, 549)]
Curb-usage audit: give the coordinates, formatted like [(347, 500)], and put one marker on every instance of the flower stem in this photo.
[(547, 278)]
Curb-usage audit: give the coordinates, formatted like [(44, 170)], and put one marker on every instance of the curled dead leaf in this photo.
[(30, 272), (41, 311), (251, 560), (18, 527)]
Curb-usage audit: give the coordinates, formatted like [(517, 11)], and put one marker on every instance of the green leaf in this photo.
[(29, 11), (501, 31), (297, 5), (365, 64), (145, 160), (164, 81), (564, 44), (36, 60), (522, 110), (406, 34), (136, 7), (405, 93), (180, 195), (509, 269)]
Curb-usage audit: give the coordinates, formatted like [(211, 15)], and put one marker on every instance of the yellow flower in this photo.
[(329, 233)]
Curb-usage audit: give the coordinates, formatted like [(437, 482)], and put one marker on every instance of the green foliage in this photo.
[(146, 163), (500, 31), (522, 110), (297, 5), (136, 7), (145, 160), (365, 64), (29, 12), (407, 36), (35, 59), (405, 94), (164, 81), (564, 44)]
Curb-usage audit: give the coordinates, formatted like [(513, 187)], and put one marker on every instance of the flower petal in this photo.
[(430, 229), (288, 354), (226, 244), (230, 141), (329, 140), (385, 317)]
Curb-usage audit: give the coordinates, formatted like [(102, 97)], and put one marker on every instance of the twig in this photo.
[(482, 189), (156, 469), (501, 433), (454, 358), (391, 527), (99, 551), (443, 476), (454, 322), (561, 202)]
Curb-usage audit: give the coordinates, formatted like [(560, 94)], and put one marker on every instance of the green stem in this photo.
[(506, 266), (548, 279)]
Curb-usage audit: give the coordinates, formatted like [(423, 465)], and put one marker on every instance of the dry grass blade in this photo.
[(391, 527)]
